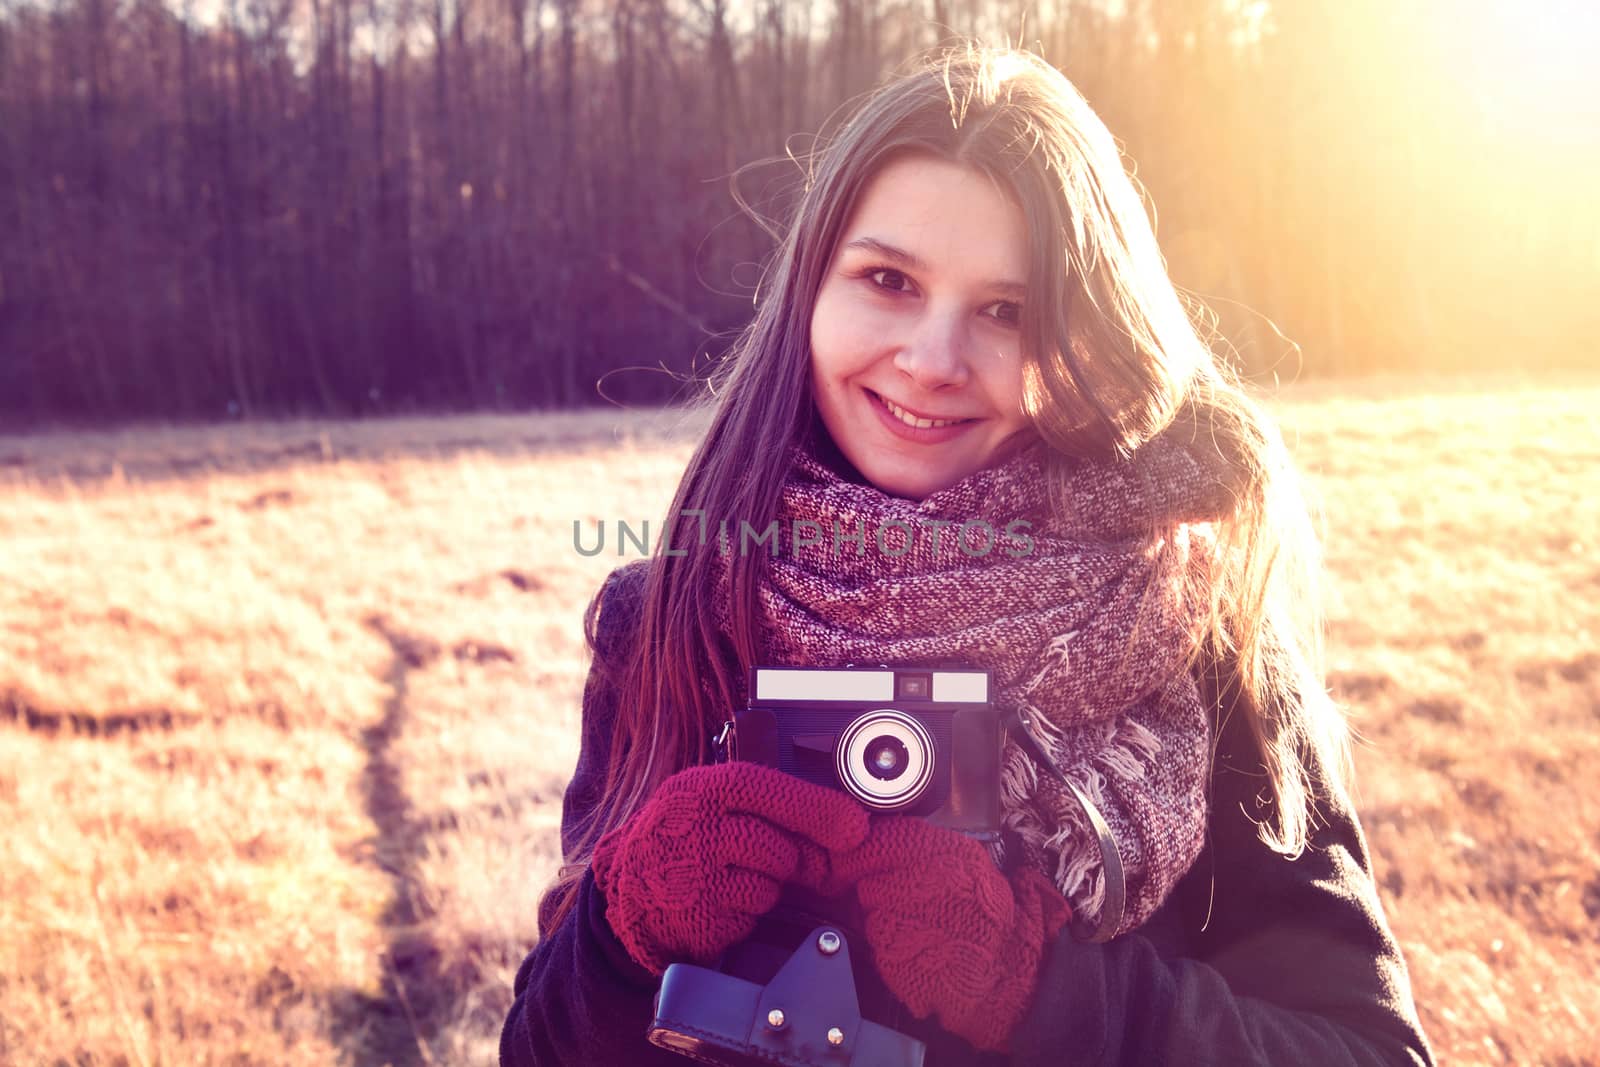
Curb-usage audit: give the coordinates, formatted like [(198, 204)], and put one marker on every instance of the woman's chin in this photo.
[(894, 480)]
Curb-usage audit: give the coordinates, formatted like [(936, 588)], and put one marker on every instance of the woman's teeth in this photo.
[(911, 420)]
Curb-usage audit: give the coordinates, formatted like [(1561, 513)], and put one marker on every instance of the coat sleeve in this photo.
[(579, 998), (1288, 961)]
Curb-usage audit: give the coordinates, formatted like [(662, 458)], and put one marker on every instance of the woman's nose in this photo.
[(934, 358)]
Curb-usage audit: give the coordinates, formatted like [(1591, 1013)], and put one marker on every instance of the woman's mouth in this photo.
[(913, 427)]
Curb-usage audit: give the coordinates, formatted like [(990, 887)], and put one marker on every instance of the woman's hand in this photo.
[(688, 875), (951, 935)]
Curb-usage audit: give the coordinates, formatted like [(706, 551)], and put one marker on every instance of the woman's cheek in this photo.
[(867, 326), (836, 330), (825, 320)]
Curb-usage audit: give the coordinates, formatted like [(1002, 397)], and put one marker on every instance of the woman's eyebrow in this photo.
[(906, 259)]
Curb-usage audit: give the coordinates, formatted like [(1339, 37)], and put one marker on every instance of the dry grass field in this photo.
[(286, 711)]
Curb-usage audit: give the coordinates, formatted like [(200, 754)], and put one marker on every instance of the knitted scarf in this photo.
[(1084, 614)]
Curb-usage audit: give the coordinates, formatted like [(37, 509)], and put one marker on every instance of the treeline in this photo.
[(363, 205)]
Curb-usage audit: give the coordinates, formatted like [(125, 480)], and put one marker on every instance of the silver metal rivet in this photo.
[(775, 1018), (828, 943), (835, 1036)]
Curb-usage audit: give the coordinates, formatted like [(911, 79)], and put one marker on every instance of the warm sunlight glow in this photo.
[(1533, 66)]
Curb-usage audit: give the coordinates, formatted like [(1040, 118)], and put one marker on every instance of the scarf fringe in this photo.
[(1053, 658), (1065, 834)]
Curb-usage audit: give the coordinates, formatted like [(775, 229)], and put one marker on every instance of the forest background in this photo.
[(218, 208)]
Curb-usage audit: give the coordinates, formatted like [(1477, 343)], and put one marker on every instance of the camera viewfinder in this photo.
[(914, 686)]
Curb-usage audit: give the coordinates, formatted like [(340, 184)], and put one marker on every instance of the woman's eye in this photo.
[(1012, 313), (876, 272), (893, 281)]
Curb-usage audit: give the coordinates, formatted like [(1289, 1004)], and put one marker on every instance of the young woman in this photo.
[(989, 434)]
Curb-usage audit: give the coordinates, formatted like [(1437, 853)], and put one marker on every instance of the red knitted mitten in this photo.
[(688, 875), (951, 936)]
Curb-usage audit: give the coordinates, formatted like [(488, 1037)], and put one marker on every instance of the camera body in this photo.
[(916, 741), (903, 740)]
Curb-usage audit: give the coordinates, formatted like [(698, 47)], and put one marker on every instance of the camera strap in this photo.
[(1116, 886)]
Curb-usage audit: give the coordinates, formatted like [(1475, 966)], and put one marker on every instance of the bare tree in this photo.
[(350, 205)]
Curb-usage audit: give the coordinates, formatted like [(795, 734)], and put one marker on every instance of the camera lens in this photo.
[(885, 759)]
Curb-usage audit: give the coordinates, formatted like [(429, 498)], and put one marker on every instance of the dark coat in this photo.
[(1253, 959)]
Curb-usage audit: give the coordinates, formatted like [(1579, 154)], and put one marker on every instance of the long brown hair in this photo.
[(1114, 356)]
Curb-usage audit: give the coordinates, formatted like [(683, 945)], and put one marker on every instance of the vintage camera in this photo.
[(920, 741), (904, 740)]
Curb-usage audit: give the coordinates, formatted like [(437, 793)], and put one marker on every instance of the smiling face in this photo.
[(916, 347)]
